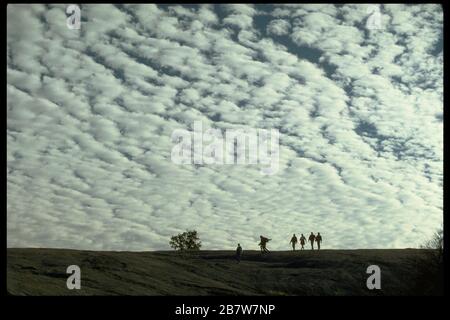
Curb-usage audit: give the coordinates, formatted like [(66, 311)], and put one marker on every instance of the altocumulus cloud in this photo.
[(90, 114)]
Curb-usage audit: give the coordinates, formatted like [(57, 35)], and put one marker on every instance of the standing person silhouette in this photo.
[(318, 240), (293, 241), (238, 253), (302, 242), (262, 244), (311, 239)]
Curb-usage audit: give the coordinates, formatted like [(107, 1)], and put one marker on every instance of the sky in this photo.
[(91, 113)]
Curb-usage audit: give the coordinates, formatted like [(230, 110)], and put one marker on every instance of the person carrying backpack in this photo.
[(263, 243)]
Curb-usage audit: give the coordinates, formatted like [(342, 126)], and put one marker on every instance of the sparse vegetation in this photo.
[(436, 243), (430, 271), (186, 241)]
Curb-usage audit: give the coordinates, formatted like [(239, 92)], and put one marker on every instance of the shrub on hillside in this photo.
[(430, 271), (186, 241)]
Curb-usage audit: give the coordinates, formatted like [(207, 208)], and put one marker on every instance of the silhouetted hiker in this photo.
[(318, 240), (294, 242), (262, 243), (238, 253), (311, 238), (302, 241)]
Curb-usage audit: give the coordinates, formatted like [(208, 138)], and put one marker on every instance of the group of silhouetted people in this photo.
[(317, 238), (263, 243)]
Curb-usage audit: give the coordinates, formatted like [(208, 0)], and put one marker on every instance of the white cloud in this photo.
[(279, 27), (90, 115)]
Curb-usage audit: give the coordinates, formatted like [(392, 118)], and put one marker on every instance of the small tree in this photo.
[(188, 240), (430, 270), (436, 243)]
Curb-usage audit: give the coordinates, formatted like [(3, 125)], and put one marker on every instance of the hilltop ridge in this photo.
[(328, 272)]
